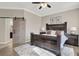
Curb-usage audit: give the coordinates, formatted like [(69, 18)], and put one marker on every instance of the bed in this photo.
[(50, 43)]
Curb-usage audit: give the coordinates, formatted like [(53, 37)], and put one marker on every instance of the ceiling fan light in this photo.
[(44, 5)]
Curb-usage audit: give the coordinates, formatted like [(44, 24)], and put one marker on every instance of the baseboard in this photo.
[(27, 40), (13, 42), (6, 42)]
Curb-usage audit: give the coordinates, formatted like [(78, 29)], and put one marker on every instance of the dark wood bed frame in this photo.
[(50, 43), (62, 27), (72, 39)]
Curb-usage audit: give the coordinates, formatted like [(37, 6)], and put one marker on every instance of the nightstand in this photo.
[(73, 39)]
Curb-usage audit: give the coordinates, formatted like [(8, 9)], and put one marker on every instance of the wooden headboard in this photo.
[(62, 26)]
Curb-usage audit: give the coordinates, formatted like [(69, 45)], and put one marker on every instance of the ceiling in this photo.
[(28, 6)]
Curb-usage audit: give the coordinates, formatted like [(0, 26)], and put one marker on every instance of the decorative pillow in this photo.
[(53, 33), (58, 33), (48, 31)]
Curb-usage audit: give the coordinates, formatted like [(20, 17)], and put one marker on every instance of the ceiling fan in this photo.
[(42, 4)]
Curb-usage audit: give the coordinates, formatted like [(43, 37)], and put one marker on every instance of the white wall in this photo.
[(5, 23), (71, 17), (11, 13), (4, 30), (7, 29), (33, 24)]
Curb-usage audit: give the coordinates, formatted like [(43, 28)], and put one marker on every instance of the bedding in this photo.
[(63, 39), (50, 33), (53, 32)]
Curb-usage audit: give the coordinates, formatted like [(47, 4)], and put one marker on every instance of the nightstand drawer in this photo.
[(72, 37), (72, 40)]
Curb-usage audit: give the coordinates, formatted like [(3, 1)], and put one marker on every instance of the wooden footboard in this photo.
[(49, 43)]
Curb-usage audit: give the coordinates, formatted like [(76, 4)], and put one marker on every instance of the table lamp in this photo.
[(43, 29), (73, 30)]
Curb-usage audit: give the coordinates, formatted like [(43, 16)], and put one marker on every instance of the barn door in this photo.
[(18, 30)]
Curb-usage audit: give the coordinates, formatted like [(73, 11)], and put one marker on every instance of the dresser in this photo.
[(72, 39)]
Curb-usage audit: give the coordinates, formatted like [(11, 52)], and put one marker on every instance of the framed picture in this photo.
[(56, 20)]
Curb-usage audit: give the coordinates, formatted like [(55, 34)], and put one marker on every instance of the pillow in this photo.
[(48, 31), (58, 32), (53, 33)]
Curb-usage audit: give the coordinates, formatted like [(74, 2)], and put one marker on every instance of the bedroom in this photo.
[(36, 20)]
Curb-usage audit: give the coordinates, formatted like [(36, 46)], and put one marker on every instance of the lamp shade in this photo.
[(73, 30), (42, 29), (44, 5)]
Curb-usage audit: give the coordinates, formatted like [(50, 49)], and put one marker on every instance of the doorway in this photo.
[(12, 29), (17, 30)]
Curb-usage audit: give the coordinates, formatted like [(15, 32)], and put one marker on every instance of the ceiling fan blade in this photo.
[(35, 2), (40, 7), (48, 6)]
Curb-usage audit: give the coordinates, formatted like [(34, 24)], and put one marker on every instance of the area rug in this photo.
[(28, 50), (67, 51)]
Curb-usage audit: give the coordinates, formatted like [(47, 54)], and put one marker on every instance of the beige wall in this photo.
[(33, 24), (71, 17)]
